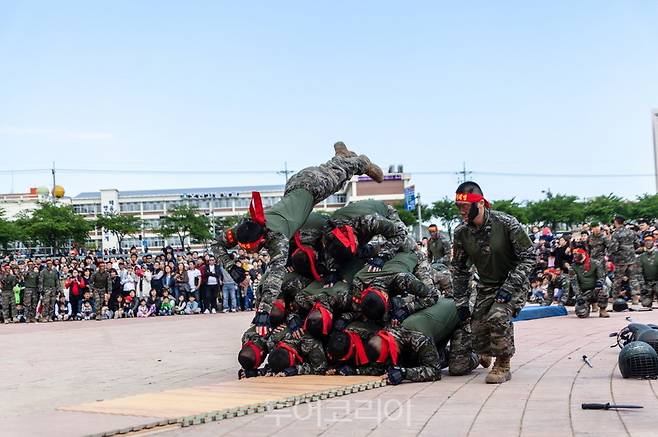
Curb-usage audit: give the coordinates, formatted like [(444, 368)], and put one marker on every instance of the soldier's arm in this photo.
[(315, 359), (277, 247), (462, 272), (448, 250), (429, 360), (372, 369), (640, 273), (40, 282), (522, 247), (394, 233), (600, 274), (612, 246), (424, 296), (220, 247)]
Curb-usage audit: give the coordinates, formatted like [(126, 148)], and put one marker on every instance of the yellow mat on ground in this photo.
[(229, 399)]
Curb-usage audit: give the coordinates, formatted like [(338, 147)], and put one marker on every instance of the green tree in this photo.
[(556, 209), (410, 218), (54, 225), (9, 231), (512, 208), (185, 221), (646, 207), (120, 225), (604, 208), (446, 211)]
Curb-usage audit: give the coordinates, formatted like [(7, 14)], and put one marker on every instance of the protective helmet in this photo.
[(638, 360), (649, 336), (582, 308), (619, 305)]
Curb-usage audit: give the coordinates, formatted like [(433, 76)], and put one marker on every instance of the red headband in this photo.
[(389, 347), (472, 198), (280, 305), (258, 353), (310, 253), (345, 234), (230, 237), (292, 353), (254, 246), (326, 318), (356, 345), (256, 208), (587, 262), (383, 296)]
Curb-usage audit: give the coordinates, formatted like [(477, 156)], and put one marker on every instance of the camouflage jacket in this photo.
[(100, 280), (622, 246), (8, 281), (648, 266), (559, 282), (417, 355), (439, 250), (49, 279), (598, 245), (501, 252), (31, 279), (312, 351)]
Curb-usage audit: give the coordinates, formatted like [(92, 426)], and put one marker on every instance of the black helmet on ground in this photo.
[(638, 360)]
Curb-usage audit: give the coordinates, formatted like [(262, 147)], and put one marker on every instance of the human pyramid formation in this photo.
[(353, 294)]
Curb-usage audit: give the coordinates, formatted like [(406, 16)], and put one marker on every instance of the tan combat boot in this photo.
[(604, 313), (500, 372), (341, 150), (595, 307), (485, 361), (372, 170), (635, 300)]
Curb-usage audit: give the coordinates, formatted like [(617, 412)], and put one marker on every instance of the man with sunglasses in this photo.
[(496, 245), (272, 230)]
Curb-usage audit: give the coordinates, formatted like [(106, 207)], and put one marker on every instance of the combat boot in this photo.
[(341, 150), (595, 307), (485, 361), (500, 372), (604, 313), (372, 170), (636, 300)]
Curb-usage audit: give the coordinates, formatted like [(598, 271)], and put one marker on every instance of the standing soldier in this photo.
[(8, 280), (621, 252), (31, 293), (501, 252), (587, 276), (48, 288), (100, 284), (648, 278), (597, 243), (438, 247)]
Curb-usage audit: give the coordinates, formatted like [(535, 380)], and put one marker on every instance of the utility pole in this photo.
[(464, 173), (53, 171), (654, 120), (420, 224), (285, 171)]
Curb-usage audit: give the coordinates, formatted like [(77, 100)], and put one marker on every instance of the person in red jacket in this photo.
[(75, 284)]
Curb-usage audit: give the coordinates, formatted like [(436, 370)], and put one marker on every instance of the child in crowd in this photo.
[(143, 310), (129, 304), (118, 313), (20, 314), (153, 301), (192, 306), (180, 306), (63, 309), (166, 308), (87, 310)]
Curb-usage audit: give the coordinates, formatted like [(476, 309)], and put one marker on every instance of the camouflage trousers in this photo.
[(630, 271), (594, 295), (442, 279), (491, 324), (8, 304), (30, 301), (47, 298), (324, 180), (98, 295), (649, 293), (461, 359)]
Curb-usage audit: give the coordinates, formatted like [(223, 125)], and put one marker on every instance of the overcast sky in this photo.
[(556, 87)]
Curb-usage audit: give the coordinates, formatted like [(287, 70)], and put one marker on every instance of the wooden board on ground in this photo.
[(231, 398)]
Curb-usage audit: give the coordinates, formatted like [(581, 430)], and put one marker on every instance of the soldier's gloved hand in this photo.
[(251, 373), (331, 278), (262, 323), (295, 325), (399, 311), (375, 264), (366, 251), (340, 325), (346, 370), (290, 371), (396, 375), (503, 296), (464, 314)]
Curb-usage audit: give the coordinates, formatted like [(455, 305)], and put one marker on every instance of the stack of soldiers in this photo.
[(353, 294)]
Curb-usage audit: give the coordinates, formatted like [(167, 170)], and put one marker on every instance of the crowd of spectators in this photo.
[(139, 285)]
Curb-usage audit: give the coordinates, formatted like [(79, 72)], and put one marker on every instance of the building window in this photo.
[(153, 206), (93, 208), (130, 206)]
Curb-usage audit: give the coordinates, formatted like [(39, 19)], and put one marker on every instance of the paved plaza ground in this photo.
[(47, 366)]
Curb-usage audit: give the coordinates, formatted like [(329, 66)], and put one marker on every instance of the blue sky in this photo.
[(557, 87)]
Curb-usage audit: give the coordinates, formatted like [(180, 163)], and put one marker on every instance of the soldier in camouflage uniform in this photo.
[(31, 292), (621, 252), (439, 253), (587, 277), (401, 354), (273, 228), (7, 281), (597, 244), (556, 281), (255, 348), (303, 356), (346, 348), (648, 277), (100, 284), (49, 288), (501, 252)]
